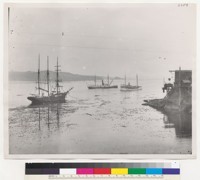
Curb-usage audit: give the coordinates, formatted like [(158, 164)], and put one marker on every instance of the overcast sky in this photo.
[(146, 39)]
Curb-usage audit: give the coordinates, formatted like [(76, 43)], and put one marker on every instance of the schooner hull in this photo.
[(102, 87), (55, 98), (130, 88)]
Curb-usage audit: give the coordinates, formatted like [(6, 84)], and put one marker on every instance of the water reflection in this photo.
[(182, 122), (48, 117), (49, 112), (39, 119), (57, 116)]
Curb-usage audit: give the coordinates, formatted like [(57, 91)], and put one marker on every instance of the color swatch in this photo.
[(102, 168)]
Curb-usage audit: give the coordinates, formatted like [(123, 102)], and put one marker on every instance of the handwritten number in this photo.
[(183, 5)]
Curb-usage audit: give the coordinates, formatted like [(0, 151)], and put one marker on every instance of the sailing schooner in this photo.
[(55, 96), (129, 87)]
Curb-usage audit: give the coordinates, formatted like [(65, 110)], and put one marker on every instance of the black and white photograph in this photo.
[(100, 79)]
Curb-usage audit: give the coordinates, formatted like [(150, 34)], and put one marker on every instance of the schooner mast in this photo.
[(39, 75), (125, 80), (57, 77), (48, 75)]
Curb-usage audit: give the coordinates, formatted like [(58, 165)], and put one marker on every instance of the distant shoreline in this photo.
[(64, 76)]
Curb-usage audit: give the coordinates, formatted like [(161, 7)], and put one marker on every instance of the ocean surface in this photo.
[(101, 121)]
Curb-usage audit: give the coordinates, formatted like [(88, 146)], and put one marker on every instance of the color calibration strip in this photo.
[(102, 169), (119, 171)]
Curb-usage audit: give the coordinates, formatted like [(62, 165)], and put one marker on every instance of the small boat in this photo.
[(129, 87), (55, 96), (103, 85)]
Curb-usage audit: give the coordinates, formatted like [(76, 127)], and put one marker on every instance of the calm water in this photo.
[(95, 121)]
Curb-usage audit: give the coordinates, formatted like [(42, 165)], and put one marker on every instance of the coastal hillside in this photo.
[(65, 76)]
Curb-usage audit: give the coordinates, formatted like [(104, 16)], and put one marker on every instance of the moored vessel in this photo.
[(103, 85), (46, 95), (129, 87)]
